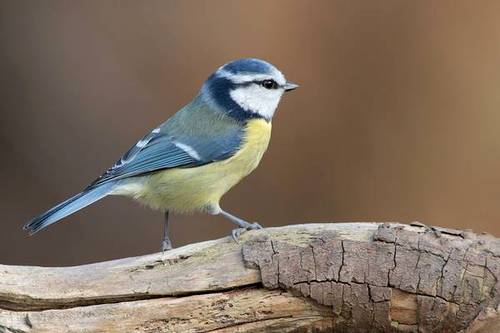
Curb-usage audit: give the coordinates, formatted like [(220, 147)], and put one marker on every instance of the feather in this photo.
[(68, 207)]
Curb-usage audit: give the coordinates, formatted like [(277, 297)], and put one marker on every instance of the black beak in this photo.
[(289, 86)]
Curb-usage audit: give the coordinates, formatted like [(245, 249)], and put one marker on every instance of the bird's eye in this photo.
[(269, 84)]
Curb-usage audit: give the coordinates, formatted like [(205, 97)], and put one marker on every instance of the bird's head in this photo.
[(247, 88)]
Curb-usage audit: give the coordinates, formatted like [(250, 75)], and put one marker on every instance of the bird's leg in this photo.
[(242, 225), (166, 244)]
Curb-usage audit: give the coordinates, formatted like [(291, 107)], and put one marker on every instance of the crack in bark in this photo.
[(441, 277), (7, 329), (27, 304), (314, 261), (343, 258), (277, 262), (267, 324)]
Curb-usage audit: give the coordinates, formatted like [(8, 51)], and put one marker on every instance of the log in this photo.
[(342, 277)]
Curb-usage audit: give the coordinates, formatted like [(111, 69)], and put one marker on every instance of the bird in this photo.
[(190, 161)]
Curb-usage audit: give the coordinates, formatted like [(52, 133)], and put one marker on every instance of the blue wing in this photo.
[(159, 150)]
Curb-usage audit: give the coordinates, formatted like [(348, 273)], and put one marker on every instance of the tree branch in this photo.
[(363, 277)]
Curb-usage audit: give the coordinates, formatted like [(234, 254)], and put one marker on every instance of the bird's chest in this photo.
[(194, 188), (257, 136), (220, 176)]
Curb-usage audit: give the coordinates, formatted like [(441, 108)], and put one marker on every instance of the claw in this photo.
[(166, 245), (254, 226), (236, 233)]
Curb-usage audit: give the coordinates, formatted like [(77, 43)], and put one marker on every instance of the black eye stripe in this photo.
[(268, 84)]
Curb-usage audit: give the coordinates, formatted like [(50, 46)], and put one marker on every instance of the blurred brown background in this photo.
[(397, 116)]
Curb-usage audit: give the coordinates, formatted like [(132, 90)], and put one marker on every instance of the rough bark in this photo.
[(344, 277)]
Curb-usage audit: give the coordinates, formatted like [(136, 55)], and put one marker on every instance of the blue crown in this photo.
[(248, 65)]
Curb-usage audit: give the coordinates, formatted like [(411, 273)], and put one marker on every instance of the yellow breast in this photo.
[(190, 189)]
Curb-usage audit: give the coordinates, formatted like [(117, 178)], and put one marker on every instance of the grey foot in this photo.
[(166, 245), (236, 233)]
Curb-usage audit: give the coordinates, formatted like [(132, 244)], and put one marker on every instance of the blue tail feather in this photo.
[(68, 207)]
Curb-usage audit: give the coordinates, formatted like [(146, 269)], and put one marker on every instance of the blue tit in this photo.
[(190, 161)]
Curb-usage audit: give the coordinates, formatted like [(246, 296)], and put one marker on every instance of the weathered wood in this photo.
[(249, 310), (362, 277), (188, 270)]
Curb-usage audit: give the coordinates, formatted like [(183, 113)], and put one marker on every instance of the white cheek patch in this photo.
[(257, 99)]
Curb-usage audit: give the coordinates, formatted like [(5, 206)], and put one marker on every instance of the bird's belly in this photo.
[(190, 189)]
